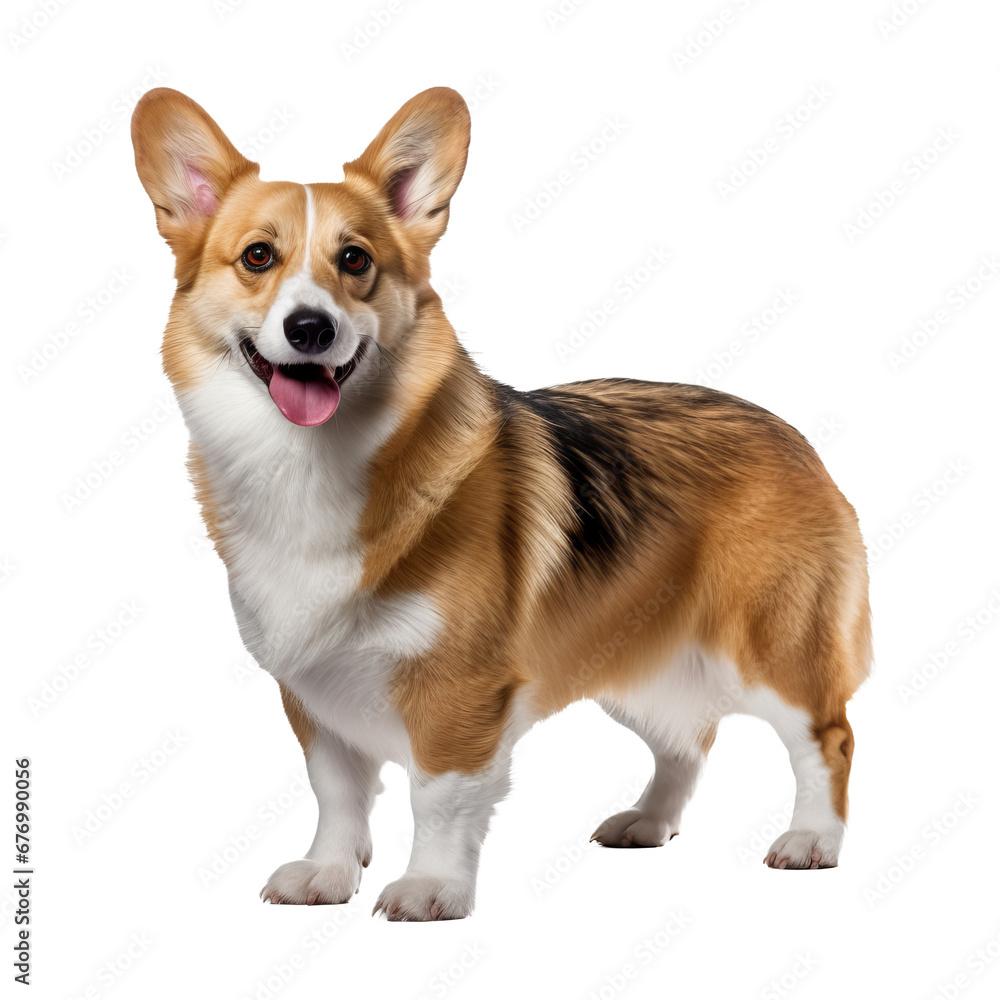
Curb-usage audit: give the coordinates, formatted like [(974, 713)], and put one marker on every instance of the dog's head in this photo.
[(300, 285)]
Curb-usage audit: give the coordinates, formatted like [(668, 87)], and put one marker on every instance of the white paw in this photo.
[(309, 882), (425, 897), (633, 828), (804, 849)]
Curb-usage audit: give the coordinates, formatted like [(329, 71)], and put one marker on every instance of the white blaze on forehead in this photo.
[(310, 226), (302, 282)]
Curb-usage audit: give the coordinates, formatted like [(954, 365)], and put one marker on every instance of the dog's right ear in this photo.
[(185, 163), (417, 160)]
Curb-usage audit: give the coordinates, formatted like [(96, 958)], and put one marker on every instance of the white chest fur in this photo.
[(290, 500)]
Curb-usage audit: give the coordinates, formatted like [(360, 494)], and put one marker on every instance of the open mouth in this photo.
[(306, 394)]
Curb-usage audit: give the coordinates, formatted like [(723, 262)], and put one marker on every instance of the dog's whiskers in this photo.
[(384, 354)]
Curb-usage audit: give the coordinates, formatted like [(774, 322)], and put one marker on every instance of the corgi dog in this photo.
[(429, 561)]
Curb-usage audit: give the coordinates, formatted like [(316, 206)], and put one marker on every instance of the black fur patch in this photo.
[(612, 490)]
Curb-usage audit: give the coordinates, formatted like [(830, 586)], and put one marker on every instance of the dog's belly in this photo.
[(679, 706)]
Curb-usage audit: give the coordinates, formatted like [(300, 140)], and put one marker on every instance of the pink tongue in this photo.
[(306, 403)]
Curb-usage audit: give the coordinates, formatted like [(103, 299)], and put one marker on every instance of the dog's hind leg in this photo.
[(820, 752), (655, 818)]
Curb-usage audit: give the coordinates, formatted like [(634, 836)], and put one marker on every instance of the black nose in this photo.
[(309, 330)]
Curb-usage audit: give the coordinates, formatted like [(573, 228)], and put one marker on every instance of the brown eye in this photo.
[(354, 260), (257, 257)]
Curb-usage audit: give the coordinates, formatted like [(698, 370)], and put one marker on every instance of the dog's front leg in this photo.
[(345, 782), (451, 814)]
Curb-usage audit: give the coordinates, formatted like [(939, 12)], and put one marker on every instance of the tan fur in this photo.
[(837, 746), (301, 724), (206, 500)]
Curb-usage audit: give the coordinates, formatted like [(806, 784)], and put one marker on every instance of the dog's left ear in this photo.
[(417, 160)]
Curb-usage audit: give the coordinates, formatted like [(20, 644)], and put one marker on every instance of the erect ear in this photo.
[(417, 160), (185, 163)]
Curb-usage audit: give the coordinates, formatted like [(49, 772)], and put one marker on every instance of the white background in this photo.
[(915, 896)]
